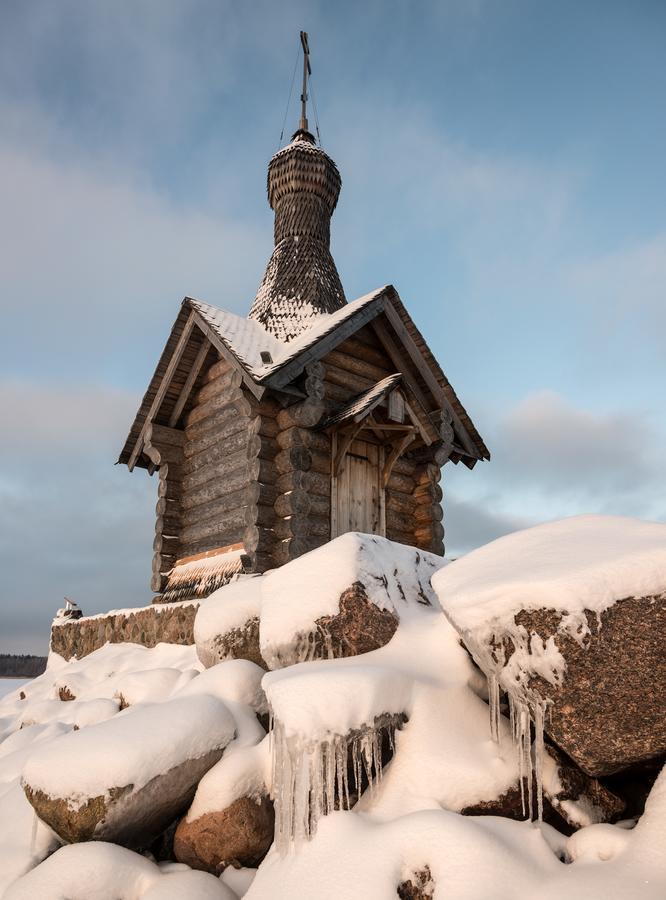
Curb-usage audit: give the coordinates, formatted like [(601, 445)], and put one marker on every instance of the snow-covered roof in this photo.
[(364, 402), (266, 361), (247, 338)]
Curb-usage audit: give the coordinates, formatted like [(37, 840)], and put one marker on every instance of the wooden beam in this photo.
[(399, 360), (189, 383), (326, 343), (397, 450), (344, 445), (427, 374), (161, 391), (225, 352)]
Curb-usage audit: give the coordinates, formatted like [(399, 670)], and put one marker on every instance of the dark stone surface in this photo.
[(419, 887), (359, 627), (576, 786), (609, 712), (239, 835), (238, 643), (132, 818), (147, 625)]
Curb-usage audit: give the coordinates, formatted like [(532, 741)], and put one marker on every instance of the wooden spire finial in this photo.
[(303, 124)]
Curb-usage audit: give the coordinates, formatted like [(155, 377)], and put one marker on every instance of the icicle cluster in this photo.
[(526, 709), (313, 778)]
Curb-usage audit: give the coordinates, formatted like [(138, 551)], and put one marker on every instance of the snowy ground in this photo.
[(408, 818), (9, 685)]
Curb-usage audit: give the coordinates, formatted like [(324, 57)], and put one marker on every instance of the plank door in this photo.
[(359, 500)]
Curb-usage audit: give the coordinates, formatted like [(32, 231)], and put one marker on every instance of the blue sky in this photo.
[(502, 165)]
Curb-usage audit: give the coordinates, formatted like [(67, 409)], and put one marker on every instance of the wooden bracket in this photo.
[(343, 446), (397, 449)]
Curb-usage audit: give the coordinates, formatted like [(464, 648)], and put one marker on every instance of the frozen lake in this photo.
[(7, 685)]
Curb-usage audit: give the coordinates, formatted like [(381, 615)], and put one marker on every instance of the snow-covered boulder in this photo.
[(101, 871), (343, 599), (126, 779), (568, 618), (231, 819), (227, 624)]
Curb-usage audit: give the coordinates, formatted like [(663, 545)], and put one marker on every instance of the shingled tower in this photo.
[(311, 417)]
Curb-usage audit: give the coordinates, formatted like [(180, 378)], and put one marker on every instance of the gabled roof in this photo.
[(264, 361)]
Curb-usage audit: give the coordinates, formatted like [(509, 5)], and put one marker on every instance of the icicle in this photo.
[(494, 700), (309, 776)]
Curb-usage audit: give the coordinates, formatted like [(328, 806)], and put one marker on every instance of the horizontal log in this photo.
[(262, 515), (163, 562), (321, 462), (357, 365), (230, 433), (217, 369), (213, 542), (401, 537), (161, 436), (373, 354), (168, 453), (259, 540), (222, 485), (166, 507), (208, 407), (314, 388), (294, 480), (335, 395), (169, 488), (167, 525), (402, 503), (434, 532), (396, 521), (403, 483), (320, 506), (263, 470), (294, 459), (167, 544), (293, 503), (230, 378), (404, 466), (257, 562), (235, 469), (428, 492), (231, 520), (158, 583), (302, 527), (426, 513), (303, 437), (292, 548), (247, 495), (305, 414), (355, 383), (430, 473)]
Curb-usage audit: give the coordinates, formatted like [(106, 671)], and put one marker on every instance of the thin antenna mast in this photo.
[(303, 124)]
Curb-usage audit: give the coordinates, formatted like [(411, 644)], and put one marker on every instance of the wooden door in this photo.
[(358, 496)]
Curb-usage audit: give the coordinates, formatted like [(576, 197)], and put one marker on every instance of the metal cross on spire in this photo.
[(303, 124)]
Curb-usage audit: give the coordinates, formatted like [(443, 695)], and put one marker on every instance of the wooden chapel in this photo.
[(313, 416)]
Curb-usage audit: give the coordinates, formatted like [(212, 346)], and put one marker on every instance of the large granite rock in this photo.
[(126, 779), (568, 619), (608, 711), (343, 599), (227, 624), (239, 835)]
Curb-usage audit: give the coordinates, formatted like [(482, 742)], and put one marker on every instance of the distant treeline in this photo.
[(23, 666)]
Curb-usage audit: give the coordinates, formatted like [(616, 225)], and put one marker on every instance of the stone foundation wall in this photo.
[(171, 623)]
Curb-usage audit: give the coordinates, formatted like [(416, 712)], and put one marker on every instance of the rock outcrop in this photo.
[(239, 835), (126, 779), (608, 711), (227, 625)]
